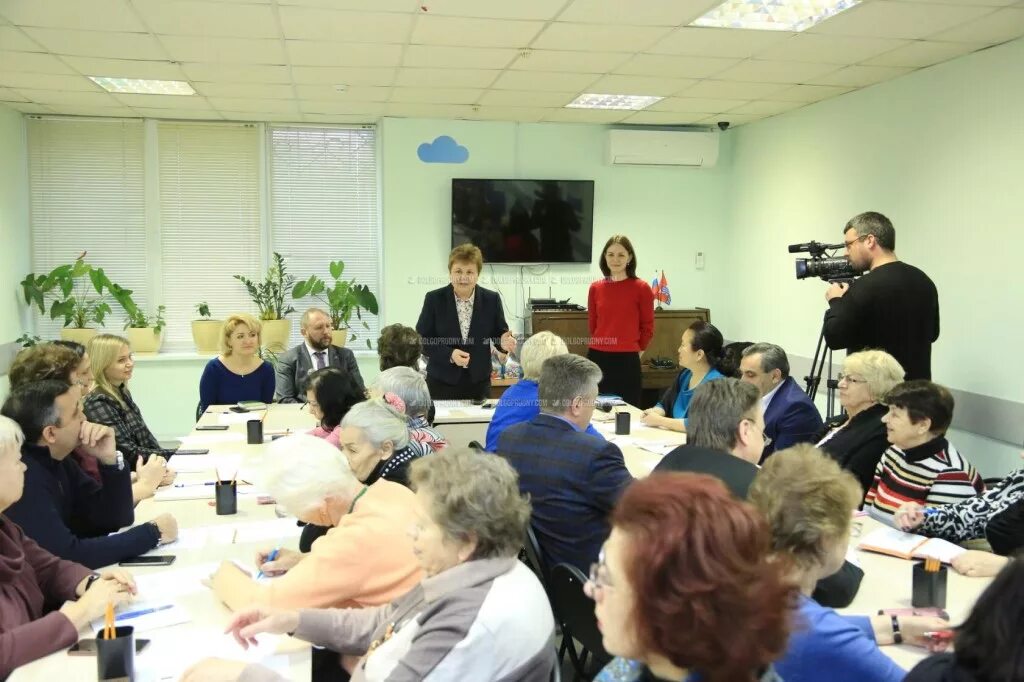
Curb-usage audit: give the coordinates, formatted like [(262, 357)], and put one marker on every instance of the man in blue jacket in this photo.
[(790, 417), (64, 510), (572, 477)]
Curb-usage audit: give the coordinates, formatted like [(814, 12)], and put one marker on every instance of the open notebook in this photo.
[(909, 546)]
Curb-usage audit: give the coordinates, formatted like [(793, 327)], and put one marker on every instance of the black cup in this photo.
[(227, 497), (929, 589), (115, 658), (622, 423), (254, 429)]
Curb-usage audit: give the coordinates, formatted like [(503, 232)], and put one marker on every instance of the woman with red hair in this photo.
[(684, 588)]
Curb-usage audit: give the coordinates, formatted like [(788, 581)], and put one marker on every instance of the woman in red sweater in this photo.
[(620, 310)]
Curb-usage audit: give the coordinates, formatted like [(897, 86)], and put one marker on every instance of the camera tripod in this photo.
[(822, 353)]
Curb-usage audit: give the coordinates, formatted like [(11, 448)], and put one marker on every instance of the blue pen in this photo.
[(928, 511), (270, 557), (143, 612)]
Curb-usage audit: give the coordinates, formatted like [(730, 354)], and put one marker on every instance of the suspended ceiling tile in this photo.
[(568, 61), (861, 76), (237, 73), (586, 115), (436, 95), (586, 37), (322, 53), (493, 9), (452, 78), (465, 32), (715, 89), (889, 19), (350, 94), (921, 53), (273, 106), (526, 98), (42, 81), (676, 66), (640, 85), (718, 42), (695, 104), (310, 23), (246, 90), (998, 27), (764, 71), (320, 75), (435, 56), (224, 50), (126, 68), (810, 93), (647, 13), (92, 15), (811, 47), (107, 44), (177, 102), (32, 62), (549, 81)]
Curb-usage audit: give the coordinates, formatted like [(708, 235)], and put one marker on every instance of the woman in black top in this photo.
[(857, 438)]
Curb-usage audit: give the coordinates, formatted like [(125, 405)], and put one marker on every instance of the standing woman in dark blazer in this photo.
[(458, 323), (620, 312)]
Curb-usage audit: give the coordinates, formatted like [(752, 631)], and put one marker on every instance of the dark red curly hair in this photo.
[(707, 596)]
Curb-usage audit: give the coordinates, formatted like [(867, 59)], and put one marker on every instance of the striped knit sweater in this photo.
[(930, 474)]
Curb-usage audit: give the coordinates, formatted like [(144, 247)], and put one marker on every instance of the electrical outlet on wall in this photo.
[(698, 260)]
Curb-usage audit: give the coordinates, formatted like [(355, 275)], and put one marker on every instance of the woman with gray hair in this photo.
[(410, 386), (857, 439), (375, 440), (519, 402), (479, 614), (366, 557)]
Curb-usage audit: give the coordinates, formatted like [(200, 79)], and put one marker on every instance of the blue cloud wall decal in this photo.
[(443, 149)]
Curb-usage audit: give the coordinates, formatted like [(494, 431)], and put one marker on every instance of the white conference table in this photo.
[(174, 648), (461, 422), (887, 584)]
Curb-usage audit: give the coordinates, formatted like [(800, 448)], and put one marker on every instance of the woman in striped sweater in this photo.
[(921, 465)]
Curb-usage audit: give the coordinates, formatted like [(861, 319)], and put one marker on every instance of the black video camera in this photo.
[(830, 268)]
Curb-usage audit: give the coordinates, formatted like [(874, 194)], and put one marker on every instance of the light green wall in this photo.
[(941, 152), (668, 213), (14, 232)]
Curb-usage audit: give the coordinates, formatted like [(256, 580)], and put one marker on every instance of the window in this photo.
[(323, 208), (209, 221), (87, 193)]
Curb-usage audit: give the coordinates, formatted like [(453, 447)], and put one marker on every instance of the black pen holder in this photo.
[(254, 431), (622, 423), (226, 494), (929, 588), (115, 658)]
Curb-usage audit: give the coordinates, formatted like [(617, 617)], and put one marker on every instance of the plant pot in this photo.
[(206, 335), (144, 340), (339, 337), (275, 335), (82, 336)]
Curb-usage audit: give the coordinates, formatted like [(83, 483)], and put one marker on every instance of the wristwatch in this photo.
[(120, 460), (89, 581)]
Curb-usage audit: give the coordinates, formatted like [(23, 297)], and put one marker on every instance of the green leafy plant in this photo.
[(342, 299), (136, 316), (204, 310), (76, 291), (269, 295), (28, 340)]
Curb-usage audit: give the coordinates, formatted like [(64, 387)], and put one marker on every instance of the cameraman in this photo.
[(894, 307)]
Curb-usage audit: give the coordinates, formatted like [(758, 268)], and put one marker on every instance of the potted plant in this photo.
[(77, 292), (269, 297), (206, 330), (145, 332), (342, 300)]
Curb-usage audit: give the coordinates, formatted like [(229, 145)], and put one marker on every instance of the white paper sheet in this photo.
[(163, 662), (145, 615), (203, 439), (171, 584), (239, 417)]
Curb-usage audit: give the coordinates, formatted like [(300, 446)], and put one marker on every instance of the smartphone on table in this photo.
[(152, 560)]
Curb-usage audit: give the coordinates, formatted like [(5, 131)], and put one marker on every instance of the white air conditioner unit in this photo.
[(662, 148)]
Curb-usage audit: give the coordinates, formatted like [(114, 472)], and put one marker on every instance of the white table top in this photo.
[(175, 647), (887, 585)]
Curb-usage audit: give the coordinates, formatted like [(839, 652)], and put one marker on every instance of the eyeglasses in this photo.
[(849, 379), (858, 239), (599, 578), (767, 439)]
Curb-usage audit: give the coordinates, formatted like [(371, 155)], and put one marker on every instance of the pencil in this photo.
[(108, 622), (234, 477)]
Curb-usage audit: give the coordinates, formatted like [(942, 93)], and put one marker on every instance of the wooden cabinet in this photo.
[(669, 325)]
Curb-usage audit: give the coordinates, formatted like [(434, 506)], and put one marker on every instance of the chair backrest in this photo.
[(534, 556), (575, 610)]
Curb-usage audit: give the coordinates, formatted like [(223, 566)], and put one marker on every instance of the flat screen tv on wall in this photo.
[(525, 221)]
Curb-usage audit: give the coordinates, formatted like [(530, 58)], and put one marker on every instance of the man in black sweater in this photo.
[(65, 511), (894, 307), (725, 438)]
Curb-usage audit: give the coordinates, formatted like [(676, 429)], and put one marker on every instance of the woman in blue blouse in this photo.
[(808, 501), (700, 352), (519, 402), (238, 373)]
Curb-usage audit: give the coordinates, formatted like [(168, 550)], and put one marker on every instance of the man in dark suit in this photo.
[(572, 477), (315, 353), (725, 437), (790, 417)]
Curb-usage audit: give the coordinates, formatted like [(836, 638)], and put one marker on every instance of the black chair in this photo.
[(574, 611), (532, 557)]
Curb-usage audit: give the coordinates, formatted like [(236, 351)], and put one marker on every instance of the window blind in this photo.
[(87, 193), (323, 207), (209, 221)]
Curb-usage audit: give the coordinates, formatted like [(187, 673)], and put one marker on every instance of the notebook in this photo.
[(909, 545)]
